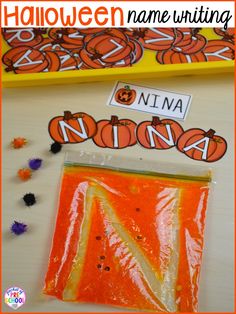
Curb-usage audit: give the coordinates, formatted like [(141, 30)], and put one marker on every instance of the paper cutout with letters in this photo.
[(151, 100), (115, 133)]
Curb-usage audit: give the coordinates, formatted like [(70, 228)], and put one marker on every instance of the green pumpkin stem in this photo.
[(127, 87)]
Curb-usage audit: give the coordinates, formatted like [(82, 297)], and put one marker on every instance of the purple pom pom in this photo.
[(35, 164), (18, 228)]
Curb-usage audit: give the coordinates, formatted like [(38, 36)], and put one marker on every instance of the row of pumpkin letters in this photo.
[(121, 133)]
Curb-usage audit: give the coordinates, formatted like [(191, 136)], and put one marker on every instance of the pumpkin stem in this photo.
[(39, 31), (9, 68), (210, 133), (156, 121), (96, 55), (228, 37), (58, 41), (63, 31), (68, 115), (114, 120), (127, 87), (196, 31), (139, 33)]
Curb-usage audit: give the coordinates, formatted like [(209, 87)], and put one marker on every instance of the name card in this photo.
[(151, 100)]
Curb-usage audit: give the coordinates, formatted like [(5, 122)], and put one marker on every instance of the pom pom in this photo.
[(35, 163), (18, 228), (29, 199), (24, 174), (56, 148), (18, 142)]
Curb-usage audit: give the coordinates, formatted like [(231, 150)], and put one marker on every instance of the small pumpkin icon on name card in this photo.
[(125, 95)]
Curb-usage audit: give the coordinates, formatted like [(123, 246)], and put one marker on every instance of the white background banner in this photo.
[(117, 14)]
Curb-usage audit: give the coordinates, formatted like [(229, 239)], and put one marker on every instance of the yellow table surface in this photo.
[(27, 111)]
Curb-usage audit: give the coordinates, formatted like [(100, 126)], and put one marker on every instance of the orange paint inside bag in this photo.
[(128, 239)]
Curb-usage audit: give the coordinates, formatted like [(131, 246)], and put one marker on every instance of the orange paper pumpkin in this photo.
[(72, 128), (20, 37), (218, 50), (158, 38), (115, 133), (137, 50), (227, 34), (135, 33), (125, 96), (159, 134), (196, 44), (92, 30), (184, 36), (54, 62), (109, 47), (68, 62), (200, 145), (173, 57), (49, 44), (24, 59)]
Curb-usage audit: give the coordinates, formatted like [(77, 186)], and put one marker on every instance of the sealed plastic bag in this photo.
[(126, 236)]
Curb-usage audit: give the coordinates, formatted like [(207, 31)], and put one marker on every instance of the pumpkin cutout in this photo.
[(91, 30), (54, 62), (27, 36), (184, 36), (122, 63), (227, 34), (196, 44), (24, 60), (125, 96), (137, 51), (91, 60), (218, 50), (115, 133), (72, 128), (113, 32), (135, 33), (173, 57), (200, 145), (72, 38), (108, 48), (159, 134), (49, 44), (67, 61), (68, 38), (55, 33), (158, 38)]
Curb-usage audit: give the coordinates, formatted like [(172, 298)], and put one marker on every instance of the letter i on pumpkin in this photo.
[(115, 133)]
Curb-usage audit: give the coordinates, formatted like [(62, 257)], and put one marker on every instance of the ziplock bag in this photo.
[(128, 234)]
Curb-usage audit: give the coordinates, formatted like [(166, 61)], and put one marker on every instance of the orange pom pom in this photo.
[(24, 174), (18, 142)]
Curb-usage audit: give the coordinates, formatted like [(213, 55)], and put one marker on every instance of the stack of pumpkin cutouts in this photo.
[(36, 50)]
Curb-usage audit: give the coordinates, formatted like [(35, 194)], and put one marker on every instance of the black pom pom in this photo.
[(29, 199), (56, 148)]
